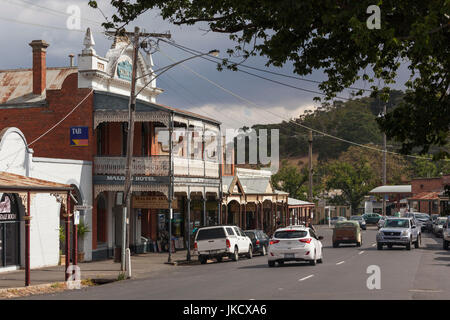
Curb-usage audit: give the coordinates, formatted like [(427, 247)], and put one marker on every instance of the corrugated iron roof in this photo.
[(426, 196), (392, 189), (10, 182), (16, 86), (295, 202)]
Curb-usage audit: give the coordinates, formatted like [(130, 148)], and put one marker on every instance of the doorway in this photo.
[(9, 231)]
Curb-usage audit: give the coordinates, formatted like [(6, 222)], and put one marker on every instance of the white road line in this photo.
[(340, 263), (361, 252), (310, 276)]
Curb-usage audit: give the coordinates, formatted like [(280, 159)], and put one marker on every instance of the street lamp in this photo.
[(130, 138)]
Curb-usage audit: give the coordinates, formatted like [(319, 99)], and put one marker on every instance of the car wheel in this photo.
[(417, 243), (250, 252), (335, 244), (235, 256), (271, 264), (408, 246), (264, 251), (280, 263), (445, 245), (390, 246), (379, 246), (321, 259), (202, 259), (219, 259), (314, 261)]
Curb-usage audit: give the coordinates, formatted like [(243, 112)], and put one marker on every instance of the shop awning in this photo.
[(10, 182)]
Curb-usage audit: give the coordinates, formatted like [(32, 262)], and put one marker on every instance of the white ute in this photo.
[(222, 241)]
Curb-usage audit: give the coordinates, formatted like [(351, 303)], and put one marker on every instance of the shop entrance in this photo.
[(9, 231)]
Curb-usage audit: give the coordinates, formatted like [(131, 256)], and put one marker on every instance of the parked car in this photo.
[(381, 222), (260, 241), (433, 217), (417, 218), (371, 218), (399, 231), (425, 221), (295, 243), (438, 226), (222, 241), (333, 220), (446, 234), (347, 232), (360, 220)]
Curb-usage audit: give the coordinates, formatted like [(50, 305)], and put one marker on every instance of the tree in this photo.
[(290, 179), (353, 180), (398, 169), (334, 36)]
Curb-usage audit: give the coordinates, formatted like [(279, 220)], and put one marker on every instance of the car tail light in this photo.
[(228, 243), (257, 241), (307, 252), (273, 242), (195, 246), (307, 240)]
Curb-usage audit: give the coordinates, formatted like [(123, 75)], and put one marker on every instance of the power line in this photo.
[(186, 49), (294, 122)]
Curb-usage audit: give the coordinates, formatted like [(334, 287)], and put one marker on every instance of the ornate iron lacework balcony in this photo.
[(156, 166)]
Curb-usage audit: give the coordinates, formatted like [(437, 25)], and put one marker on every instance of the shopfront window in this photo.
[(9, 231)]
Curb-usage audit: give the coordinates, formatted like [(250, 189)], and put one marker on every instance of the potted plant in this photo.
[(82, 230)]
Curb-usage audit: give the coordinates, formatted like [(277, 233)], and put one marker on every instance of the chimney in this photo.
[(39, 65), (71, 59)]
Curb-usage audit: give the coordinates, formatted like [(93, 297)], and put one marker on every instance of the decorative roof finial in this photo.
[(89, 43)]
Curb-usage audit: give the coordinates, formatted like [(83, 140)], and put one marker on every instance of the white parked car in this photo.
[(295, 243), (222, 241)]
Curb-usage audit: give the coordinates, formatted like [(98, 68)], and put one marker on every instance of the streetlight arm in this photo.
[(170, 66)]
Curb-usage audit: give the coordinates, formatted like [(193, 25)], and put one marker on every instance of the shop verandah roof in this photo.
[(11, 182)]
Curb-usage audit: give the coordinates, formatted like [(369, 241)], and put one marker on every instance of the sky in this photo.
[(236, 100)]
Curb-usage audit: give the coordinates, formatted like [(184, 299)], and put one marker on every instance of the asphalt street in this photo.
[(417, 274)]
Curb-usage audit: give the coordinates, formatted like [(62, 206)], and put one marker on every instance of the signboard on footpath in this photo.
[(152, 202)]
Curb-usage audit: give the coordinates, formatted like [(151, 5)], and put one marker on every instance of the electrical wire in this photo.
[(292, 121)]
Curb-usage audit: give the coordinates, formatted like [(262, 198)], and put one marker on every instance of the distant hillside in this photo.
[(353, 120)]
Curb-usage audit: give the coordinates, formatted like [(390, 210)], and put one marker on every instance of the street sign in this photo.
[(76, 217), (79, 136), (83, 207)]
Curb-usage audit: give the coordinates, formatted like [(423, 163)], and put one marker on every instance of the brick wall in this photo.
[(35, 121), (426, 185)]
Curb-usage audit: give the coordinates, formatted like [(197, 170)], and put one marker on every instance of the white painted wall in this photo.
[(16, 158), (74, 172)]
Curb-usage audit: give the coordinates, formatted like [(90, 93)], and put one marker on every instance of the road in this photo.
[(417, 274)]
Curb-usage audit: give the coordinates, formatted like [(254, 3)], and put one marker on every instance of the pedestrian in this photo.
[(310, 225)]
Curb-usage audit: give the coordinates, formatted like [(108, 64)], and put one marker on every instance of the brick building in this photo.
[(81, 113), (429, 196)]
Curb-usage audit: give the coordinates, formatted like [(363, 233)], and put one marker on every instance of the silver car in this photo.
[(399, 231)]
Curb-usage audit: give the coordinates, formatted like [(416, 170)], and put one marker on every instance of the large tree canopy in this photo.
[(333, 36)]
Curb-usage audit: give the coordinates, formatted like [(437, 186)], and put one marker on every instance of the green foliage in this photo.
[(62, 234), (355, 180), (82, 229), (333, 36), (290, 179)]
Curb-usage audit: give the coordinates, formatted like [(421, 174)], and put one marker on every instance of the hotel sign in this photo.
[(124, 70), (116, 179), (152, 202)]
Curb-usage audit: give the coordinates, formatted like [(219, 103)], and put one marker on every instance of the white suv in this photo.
[(222, 241), (295, 243), (446, 234)]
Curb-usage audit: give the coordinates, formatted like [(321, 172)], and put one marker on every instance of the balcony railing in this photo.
[(156, 166)]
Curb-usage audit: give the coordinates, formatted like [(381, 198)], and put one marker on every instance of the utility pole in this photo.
[(384, 164), (310, 189), (130, 138)]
